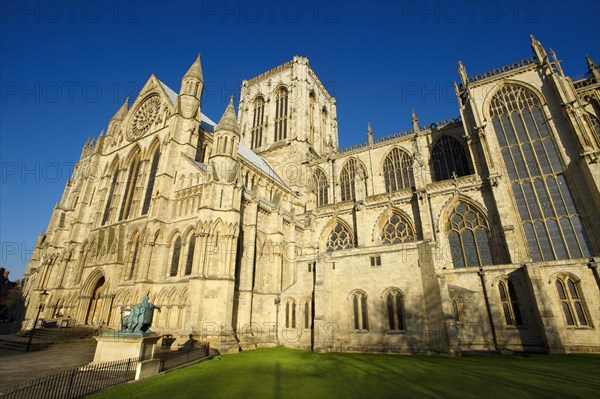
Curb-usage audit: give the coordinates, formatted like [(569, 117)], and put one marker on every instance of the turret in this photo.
[(226, 139), (192, 85)]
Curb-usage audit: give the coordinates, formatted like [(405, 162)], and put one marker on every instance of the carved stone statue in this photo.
[(140, 318)]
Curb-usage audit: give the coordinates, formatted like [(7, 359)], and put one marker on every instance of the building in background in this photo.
[(475, 233)]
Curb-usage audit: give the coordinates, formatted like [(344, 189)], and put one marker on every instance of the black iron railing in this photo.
[(82, 381), (76, 382)]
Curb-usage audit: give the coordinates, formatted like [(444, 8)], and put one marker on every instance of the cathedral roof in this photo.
[(260, 163), (172, 95)]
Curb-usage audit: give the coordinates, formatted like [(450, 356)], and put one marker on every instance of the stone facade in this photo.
[(475, 233)]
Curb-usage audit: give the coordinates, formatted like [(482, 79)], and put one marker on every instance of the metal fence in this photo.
[(173, 359), (75, 383), (78, 382)]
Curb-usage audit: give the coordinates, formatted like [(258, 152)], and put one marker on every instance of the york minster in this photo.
[(474, 233)]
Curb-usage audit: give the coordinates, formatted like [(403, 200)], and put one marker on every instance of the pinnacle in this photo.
[(228, 120), (590, 62), (195, 70), (123, 110)]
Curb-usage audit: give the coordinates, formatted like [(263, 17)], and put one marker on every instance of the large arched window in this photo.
[(359, 311), (397, 171), (281, 114), (352, 174), (394, 309), (510, 303), (449, 158), (175, 257), (151, 179), (549, 214), (571, 299), (468, 236), (321, 188), (110, 197), (397, 230), (189, 262), (340, 238), (132, 178), (258, 122)]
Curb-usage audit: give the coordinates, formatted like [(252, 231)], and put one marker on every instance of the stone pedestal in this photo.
[(122, 345)]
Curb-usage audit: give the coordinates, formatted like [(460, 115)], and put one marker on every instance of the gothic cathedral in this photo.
[(474, 233)]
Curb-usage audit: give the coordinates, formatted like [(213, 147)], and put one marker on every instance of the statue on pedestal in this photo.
[(140, 318)]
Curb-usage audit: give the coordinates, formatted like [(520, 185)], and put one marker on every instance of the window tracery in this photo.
[(151, 180), (258, 122), (549, 215), (572, 302), (397, 230), (321, 188), (130, 187), (468, 236), (449, 158), (397, 171), (281, 114), (340, 238), (352, 174)]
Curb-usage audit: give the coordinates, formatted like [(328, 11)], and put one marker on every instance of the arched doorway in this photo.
[(93, 314)]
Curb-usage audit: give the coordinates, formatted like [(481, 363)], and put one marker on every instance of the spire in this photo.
[(195, 70), (370, 133), (228, 120), (538, 50), (415, 121)]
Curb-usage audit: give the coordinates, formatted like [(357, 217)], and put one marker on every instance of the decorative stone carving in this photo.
[(144, 117)]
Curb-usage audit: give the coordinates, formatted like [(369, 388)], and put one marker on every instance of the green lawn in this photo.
[(285, 373)]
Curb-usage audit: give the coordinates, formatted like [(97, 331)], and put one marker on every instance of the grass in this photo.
[(286, 373)]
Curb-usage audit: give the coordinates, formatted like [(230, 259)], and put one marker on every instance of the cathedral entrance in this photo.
[(93, 314)]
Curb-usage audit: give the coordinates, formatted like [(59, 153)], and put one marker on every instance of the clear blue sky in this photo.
[(65, 68)]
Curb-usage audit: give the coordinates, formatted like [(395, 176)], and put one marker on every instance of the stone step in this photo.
[(20, 346)]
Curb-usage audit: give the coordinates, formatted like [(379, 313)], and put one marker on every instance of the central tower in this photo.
[(288, 117)]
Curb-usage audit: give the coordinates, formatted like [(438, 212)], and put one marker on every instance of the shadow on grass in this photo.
[(286, 373)]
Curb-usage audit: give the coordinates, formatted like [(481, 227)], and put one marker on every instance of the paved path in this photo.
[(16, 367)]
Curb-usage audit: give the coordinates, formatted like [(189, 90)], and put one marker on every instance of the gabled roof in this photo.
[(260, 163), (172, 95)]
